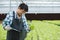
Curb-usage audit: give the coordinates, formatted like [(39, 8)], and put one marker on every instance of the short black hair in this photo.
[(23, 6)]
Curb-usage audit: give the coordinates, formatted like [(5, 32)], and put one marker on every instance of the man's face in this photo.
[(20, 11)]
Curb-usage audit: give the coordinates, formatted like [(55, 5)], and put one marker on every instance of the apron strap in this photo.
[(13, 15)]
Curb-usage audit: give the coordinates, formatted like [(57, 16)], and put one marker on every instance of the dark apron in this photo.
[(19, 33), (17, 24)]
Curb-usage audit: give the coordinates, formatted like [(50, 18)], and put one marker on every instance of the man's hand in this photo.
[(8, 28), (28, 29)]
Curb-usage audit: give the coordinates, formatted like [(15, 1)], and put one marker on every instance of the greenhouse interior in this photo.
[(43, 19)]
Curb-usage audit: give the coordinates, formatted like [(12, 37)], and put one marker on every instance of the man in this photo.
[(15, 23)]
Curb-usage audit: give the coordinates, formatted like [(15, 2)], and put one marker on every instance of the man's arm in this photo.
[(7, 21), (26, 26)]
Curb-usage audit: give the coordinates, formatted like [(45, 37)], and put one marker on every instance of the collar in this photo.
[(16, 16)]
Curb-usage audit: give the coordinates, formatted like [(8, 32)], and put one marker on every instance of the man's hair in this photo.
[(24, 6)]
